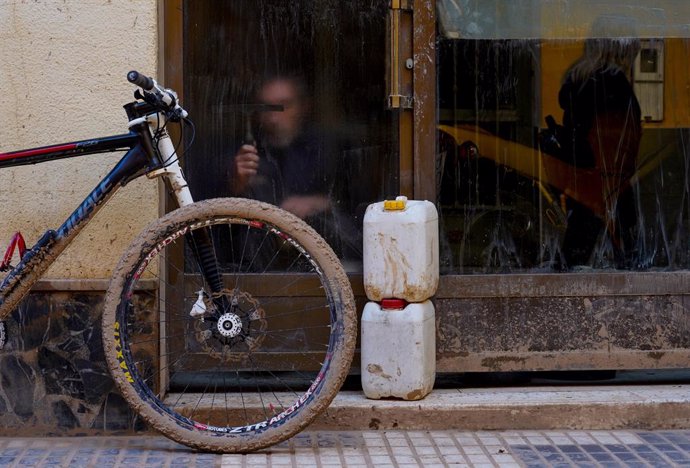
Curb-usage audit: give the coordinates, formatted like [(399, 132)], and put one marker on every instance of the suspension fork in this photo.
[(200, 239)]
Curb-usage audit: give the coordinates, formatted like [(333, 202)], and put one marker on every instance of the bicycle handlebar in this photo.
[(140, 80), (161, 98)]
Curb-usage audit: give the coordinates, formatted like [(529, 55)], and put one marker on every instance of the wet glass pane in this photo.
[(565, 154), (559, 19), (288, 99)]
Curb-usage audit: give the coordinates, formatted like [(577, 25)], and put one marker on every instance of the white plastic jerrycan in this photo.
[(398, 349), (400, 250)]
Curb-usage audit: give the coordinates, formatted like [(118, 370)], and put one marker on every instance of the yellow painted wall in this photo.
[(557, 56), (62, 78), (676, 85)]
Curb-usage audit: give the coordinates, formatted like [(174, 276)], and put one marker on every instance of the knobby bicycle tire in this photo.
[(273, 347)]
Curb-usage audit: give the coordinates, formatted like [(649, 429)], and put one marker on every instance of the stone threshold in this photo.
[(532, 408)]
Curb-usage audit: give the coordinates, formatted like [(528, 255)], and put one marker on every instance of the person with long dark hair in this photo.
[(602, 129)]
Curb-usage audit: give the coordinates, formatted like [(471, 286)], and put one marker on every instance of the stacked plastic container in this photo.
[(398, 345)]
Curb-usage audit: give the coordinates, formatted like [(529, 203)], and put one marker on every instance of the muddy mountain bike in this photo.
[(229, 324)]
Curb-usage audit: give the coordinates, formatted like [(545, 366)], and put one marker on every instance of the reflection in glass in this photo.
[(289, 107), (548, 160), (599, 140)]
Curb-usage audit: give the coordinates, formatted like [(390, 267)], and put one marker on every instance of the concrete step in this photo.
[(515, 408), (576, 407)]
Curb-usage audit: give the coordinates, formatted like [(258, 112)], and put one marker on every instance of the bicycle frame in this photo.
[(141, 158)]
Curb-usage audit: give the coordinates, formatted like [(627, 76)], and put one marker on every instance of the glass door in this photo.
[(290, 102)]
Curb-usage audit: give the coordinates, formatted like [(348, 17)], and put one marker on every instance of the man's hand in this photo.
[(246, 165), (306, 205)]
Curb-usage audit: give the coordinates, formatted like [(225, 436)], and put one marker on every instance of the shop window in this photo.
[(563, 146)]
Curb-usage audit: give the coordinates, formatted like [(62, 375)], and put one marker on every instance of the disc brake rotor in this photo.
[(237, 332)]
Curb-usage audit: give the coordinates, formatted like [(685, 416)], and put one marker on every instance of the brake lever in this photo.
[(149, 98), (164, 99)]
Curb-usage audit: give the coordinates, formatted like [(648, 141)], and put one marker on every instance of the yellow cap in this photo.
[(393, 205)]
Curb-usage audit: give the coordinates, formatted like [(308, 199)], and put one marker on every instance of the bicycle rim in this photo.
[(269, 353)]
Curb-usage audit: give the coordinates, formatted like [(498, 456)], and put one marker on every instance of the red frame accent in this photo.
[(36, 151), (17, 241)]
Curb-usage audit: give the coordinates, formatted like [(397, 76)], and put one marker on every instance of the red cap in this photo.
[(393, 304)]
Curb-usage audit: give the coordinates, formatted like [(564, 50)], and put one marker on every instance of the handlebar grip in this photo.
[(140, 80)]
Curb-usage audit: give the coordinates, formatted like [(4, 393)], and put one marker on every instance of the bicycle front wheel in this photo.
[(243, 357)]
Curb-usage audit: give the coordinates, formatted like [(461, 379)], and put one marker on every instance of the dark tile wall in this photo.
[(53, 375)]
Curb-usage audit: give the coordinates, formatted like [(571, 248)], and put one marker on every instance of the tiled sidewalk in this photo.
[(101, 452), (476, 449), (379, 449)]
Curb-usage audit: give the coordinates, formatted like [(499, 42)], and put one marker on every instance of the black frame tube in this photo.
[(69, 150), (140, 159)]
